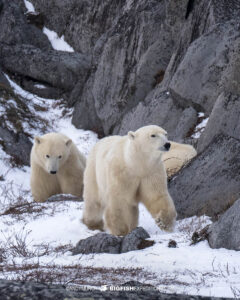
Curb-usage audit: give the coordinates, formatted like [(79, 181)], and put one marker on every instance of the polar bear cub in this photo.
[(178, 156), (122, 171), (57, 167)]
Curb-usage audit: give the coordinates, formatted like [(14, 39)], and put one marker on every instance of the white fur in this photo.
[(55, 152), (120, 173), (178, 156)]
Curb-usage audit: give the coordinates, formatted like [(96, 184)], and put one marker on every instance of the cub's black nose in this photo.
[(53, 172), (167, 146)]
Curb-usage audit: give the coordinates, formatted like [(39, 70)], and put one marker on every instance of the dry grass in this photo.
[(192, 225), (11, 196), (74, 274)]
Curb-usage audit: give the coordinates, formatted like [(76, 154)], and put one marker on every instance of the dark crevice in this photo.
[(189, 8)]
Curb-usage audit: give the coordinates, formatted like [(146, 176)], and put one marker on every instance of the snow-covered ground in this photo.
[(186, 269)]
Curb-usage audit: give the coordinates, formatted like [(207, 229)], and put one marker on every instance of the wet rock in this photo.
[(59, 69), (225, 233), (107, 243), (224, 119), (210, 183)]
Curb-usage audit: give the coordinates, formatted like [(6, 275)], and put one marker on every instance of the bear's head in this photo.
[(150, 139), (52, 151)]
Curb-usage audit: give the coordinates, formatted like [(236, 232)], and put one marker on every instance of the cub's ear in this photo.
[(68, 142), (165, 132), (131, 135), (37, 140)]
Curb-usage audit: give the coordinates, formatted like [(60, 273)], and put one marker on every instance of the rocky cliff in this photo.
[(135, 63)]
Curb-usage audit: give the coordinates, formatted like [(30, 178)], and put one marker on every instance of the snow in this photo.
[(58, 43), (201, 126), (40, 86), (29, 6)]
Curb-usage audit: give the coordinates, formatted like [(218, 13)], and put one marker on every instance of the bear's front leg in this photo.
[(166, 220), (121, 218), (154, 195)]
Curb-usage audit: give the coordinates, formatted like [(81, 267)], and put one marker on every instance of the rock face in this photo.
[(198, 79), (225, 233), (57, 68), (210, 183), (15, 28), (224, 119), (107, 243)]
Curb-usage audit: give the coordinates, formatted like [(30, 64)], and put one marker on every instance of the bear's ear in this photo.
[(68, 142), (37, 140), (131, 135)]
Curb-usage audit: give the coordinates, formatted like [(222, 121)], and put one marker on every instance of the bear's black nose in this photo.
[(167, 146), (53, 172)]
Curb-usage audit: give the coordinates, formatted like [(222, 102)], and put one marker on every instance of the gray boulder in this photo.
[(38, 88), (225, 233), (59, 69), (107, 243), (210, 183), (159, 109), (15, 28), (223, 119), (198, 79), (133, 240), (99, 243)]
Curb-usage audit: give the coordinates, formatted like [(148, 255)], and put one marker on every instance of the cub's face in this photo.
[(51, 153), (150, 139)]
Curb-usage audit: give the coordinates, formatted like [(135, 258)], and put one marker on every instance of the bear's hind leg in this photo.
[(93, 216)]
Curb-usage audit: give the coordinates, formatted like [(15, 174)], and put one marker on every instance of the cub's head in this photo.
[(150, 139), (52, 151)]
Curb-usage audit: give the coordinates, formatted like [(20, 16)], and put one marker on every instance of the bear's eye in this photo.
[(60, 156), (153, 135), (47, 156)]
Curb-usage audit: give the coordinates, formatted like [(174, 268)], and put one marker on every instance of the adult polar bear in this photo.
[(56, 167), (122, 171)]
